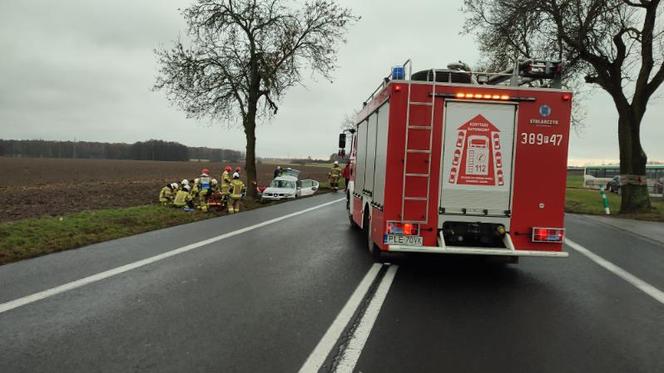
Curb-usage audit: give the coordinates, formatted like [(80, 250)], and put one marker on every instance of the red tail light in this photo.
[(548, 234), (407, 229)]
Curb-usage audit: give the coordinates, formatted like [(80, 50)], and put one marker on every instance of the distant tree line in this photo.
[(216, 155), (307, 160), (155, 150)]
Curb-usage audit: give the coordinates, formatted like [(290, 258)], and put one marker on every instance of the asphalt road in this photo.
[(272, 298)]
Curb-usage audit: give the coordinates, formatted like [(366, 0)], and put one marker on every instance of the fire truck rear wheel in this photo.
[(374, 250), (352, 222)]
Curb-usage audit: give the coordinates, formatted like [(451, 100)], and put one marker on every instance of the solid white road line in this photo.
[(326, 344), (4, 307), (645, 287), (352, 352)]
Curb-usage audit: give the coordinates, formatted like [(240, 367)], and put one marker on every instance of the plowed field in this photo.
[(32, 187)]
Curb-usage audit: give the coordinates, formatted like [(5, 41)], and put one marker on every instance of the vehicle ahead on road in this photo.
[(289, 186), (457, 162)]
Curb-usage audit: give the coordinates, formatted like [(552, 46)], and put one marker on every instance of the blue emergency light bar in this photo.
[(398, 73)]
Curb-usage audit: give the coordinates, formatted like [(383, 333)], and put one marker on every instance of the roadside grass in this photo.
[(28, 238), (589, 201), (33, 237)]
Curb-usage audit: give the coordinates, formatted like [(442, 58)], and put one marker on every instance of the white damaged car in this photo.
[(288, 186)]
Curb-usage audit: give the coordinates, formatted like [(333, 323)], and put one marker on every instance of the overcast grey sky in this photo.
[(80, 69)]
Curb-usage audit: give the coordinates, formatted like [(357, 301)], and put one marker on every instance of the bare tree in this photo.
[(349, 121), (617, 45), (241, 56)]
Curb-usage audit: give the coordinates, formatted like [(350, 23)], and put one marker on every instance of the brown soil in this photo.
[(32, 187)]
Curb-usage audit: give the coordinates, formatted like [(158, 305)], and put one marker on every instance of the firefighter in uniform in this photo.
[(183, 197), (214, 186), (195, 189), (225, 184), (226, 175), (334, 176), (204, 185), (236, 192), (166, 194)]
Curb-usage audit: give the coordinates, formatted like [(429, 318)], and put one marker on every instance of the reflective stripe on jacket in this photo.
[(205, 182), (165, 195), (225, 182), (181, 198), (335, 171), (237, 187)]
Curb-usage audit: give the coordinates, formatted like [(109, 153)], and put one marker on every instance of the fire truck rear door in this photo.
[(478, 149)]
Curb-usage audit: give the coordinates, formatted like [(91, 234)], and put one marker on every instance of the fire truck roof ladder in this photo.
[(414, 154)]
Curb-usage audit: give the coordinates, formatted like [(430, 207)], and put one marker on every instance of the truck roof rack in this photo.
[(547, 73)]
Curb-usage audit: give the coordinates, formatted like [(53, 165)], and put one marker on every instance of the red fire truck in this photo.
[(452, 161)]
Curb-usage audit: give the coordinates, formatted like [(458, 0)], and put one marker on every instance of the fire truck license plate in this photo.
[(399, 239)]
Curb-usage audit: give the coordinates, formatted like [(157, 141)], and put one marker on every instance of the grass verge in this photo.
[(586, 201), (28, 238)]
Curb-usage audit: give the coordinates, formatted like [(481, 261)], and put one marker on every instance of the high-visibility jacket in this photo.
[(166, 194), (225, 182), (236, 188), (335, 172), (204, 183), (181, 198)]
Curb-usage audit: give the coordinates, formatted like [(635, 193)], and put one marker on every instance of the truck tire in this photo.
[(374, 250), (352, 223)]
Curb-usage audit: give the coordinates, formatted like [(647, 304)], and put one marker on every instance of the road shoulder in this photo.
[(653, 231)]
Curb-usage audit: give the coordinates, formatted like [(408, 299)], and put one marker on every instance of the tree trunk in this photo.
[(635, 197), (250, 161)]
